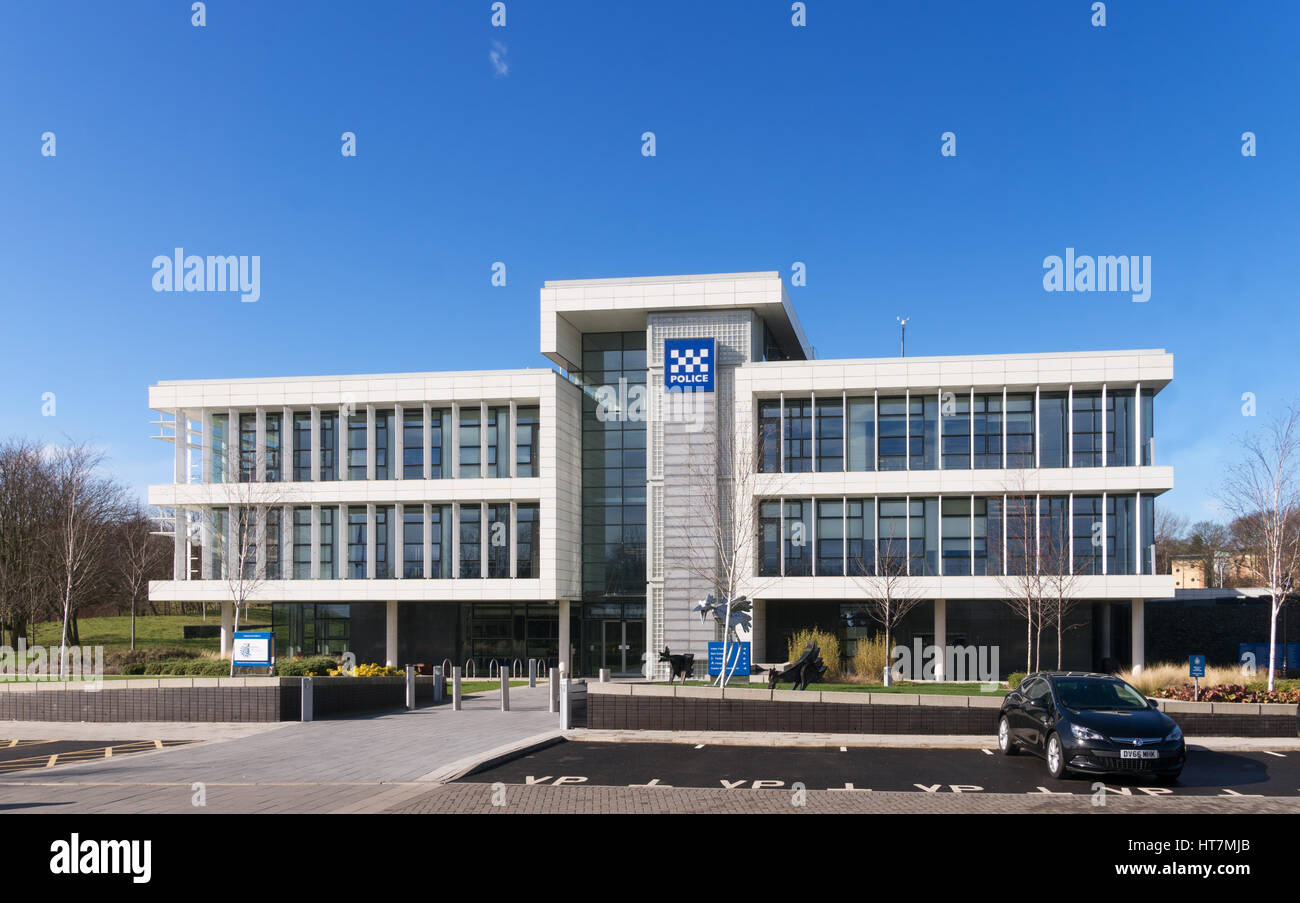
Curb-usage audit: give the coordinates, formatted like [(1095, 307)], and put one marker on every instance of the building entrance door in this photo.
[(622, 646)]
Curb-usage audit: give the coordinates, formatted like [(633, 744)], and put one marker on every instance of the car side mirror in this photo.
[(1154, 703)]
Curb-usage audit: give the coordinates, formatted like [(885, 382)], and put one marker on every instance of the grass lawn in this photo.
[(150, 630), (928, 689)]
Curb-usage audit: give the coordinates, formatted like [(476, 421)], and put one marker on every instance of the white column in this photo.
[(1105, 455), (1138, 616), (397, 445), (428, 540), (1137, 425), (342, 439), (941, 638), (315, 443), (397, 543), (1038, 392), (342, 536), (512, 464), (812, 401), (1004, 427), (180, 557), (286, 446), (780, 439), (938, 436), (428, 445), (483, 530), (390, 634), (1105, 530), (511, 533), (180, 465), (562, 612), (482, 440), (232, 445), (907, 430), (455, 539), (453, 445), (227, 626), (1069, 426), (208, 541)]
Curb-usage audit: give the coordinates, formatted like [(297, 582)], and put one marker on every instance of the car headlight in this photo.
[(1175, 734), (1085, 733)]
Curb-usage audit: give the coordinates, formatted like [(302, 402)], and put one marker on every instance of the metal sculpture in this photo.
[(808, 669)]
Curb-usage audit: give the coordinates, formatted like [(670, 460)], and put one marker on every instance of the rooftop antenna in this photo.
[(902, 336)]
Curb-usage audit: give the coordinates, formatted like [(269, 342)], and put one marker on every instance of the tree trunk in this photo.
[(1272, 643)]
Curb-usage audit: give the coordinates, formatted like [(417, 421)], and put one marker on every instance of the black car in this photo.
[(1093, 723)]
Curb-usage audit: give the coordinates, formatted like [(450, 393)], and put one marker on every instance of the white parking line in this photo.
[(1269, 752), (844, 749), (699, 746), (987, 752)]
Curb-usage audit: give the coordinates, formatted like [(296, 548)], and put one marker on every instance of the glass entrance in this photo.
[(622, 645)]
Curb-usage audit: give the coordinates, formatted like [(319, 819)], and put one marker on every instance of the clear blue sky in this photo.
[(776, 144)]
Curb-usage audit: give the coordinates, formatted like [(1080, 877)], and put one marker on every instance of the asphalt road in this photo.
[(919, 770), (20, 755)]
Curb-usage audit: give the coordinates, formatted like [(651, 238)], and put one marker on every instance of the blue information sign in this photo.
[(1197, 666), (254, 649), (737, 657), (689, 364)]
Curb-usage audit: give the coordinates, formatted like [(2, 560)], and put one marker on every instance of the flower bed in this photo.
[(1229, 693)]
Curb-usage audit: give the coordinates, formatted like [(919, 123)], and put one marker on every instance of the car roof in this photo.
[(1050, 675)]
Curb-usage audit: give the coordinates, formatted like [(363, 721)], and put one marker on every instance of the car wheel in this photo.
[(1055, 757), (1006, 745)]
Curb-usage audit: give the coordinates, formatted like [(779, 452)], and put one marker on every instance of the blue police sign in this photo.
[(689, 364), (737, 658), (1197, 666)]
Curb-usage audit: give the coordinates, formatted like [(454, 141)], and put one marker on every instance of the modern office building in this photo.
[(564, 513)]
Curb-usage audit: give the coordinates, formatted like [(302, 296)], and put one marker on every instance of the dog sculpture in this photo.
[(809, 669), (683, 665)]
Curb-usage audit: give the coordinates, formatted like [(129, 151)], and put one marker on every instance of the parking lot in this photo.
[(932, 771), (20, 755)]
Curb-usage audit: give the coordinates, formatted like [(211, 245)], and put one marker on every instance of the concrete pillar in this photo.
[(455, 688), (505, 690), (397, 445), (410, 687), (1138, 616), (370, 442), (315, 443), (180, 552), (562, 612), (553, 691), (941, 639), (227, 626), (390, 634)]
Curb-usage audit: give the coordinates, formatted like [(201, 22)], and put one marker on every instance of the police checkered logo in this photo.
[(688, 360)]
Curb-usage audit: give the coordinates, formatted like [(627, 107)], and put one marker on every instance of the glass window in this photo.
[(798, 435), (327, 520), (1148, 534), (830, 435), (893, 536), (383, 445), (1087, 526), (923, 438), (1120, 441), (439, 444), (987, 543), (385, 541), (1020, 532), (220, 533), (470, 539), (956, 432), (329, 445), (830, 538), (247, 448), (413, 448), (498, 541), (527, 423), (861, 440), (1054, 534), (1148, 426), (988, 432), (1086, 422), (469, 443), (528, 539), (1053, 438), (769, 527), (220, 435), (798, 538), (860, 522), (1121, 534), (301, 446), (956, 534), (440, 562), (923, 536), (412, 541), (357, 430), (769, 435), (302, 543), (274, 536), (357, 542), (498, 436), (273, 447), (893, 434), (1020, 431)]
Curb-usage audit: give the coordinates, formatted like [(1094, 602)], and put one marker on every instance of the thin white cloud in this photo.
[(497, 55)]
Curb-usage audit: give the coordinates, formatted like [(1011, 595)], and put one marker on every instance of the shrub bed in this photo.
[(1230, 693)]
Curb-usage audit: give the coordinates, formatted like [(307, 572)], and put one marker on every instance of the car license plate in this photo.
[(1139, 753)]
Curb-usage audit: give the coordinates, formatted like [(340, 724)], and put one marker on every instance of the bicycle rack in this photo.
[(494, 669), (470, 668), (446, 669), (517, 668)]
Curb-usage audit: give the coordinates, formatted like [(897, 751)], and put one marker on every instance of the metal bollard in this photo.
[(532, 673), (505, 691), (306, 699), (439, 685), (410, 687), (455, 689), (566, 702), (604, 675), (553, 691)]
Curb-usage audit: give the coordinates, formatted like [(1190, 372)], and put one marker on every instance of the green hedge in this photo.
[(305, 666), (1014, 679)]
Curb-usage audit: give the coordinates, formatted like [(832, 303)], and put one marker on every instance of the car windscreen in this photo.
[(1082, 693)]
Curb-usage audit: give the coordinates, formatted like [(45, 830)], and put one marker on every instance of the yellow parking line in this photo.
[(12, 744), (108, 752), (54, 758), (158, 744)]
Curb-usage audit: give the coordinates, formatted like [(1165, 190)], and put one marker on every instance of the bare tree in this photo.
[(1170, 538), (1060, 572), (1262, 488), (1016, 559), (87, 507), (26, 509), (142, 557), (888, 592)]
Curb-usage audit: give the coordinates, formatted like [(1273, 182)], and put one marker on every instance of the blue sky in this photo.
[(775, 144)]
